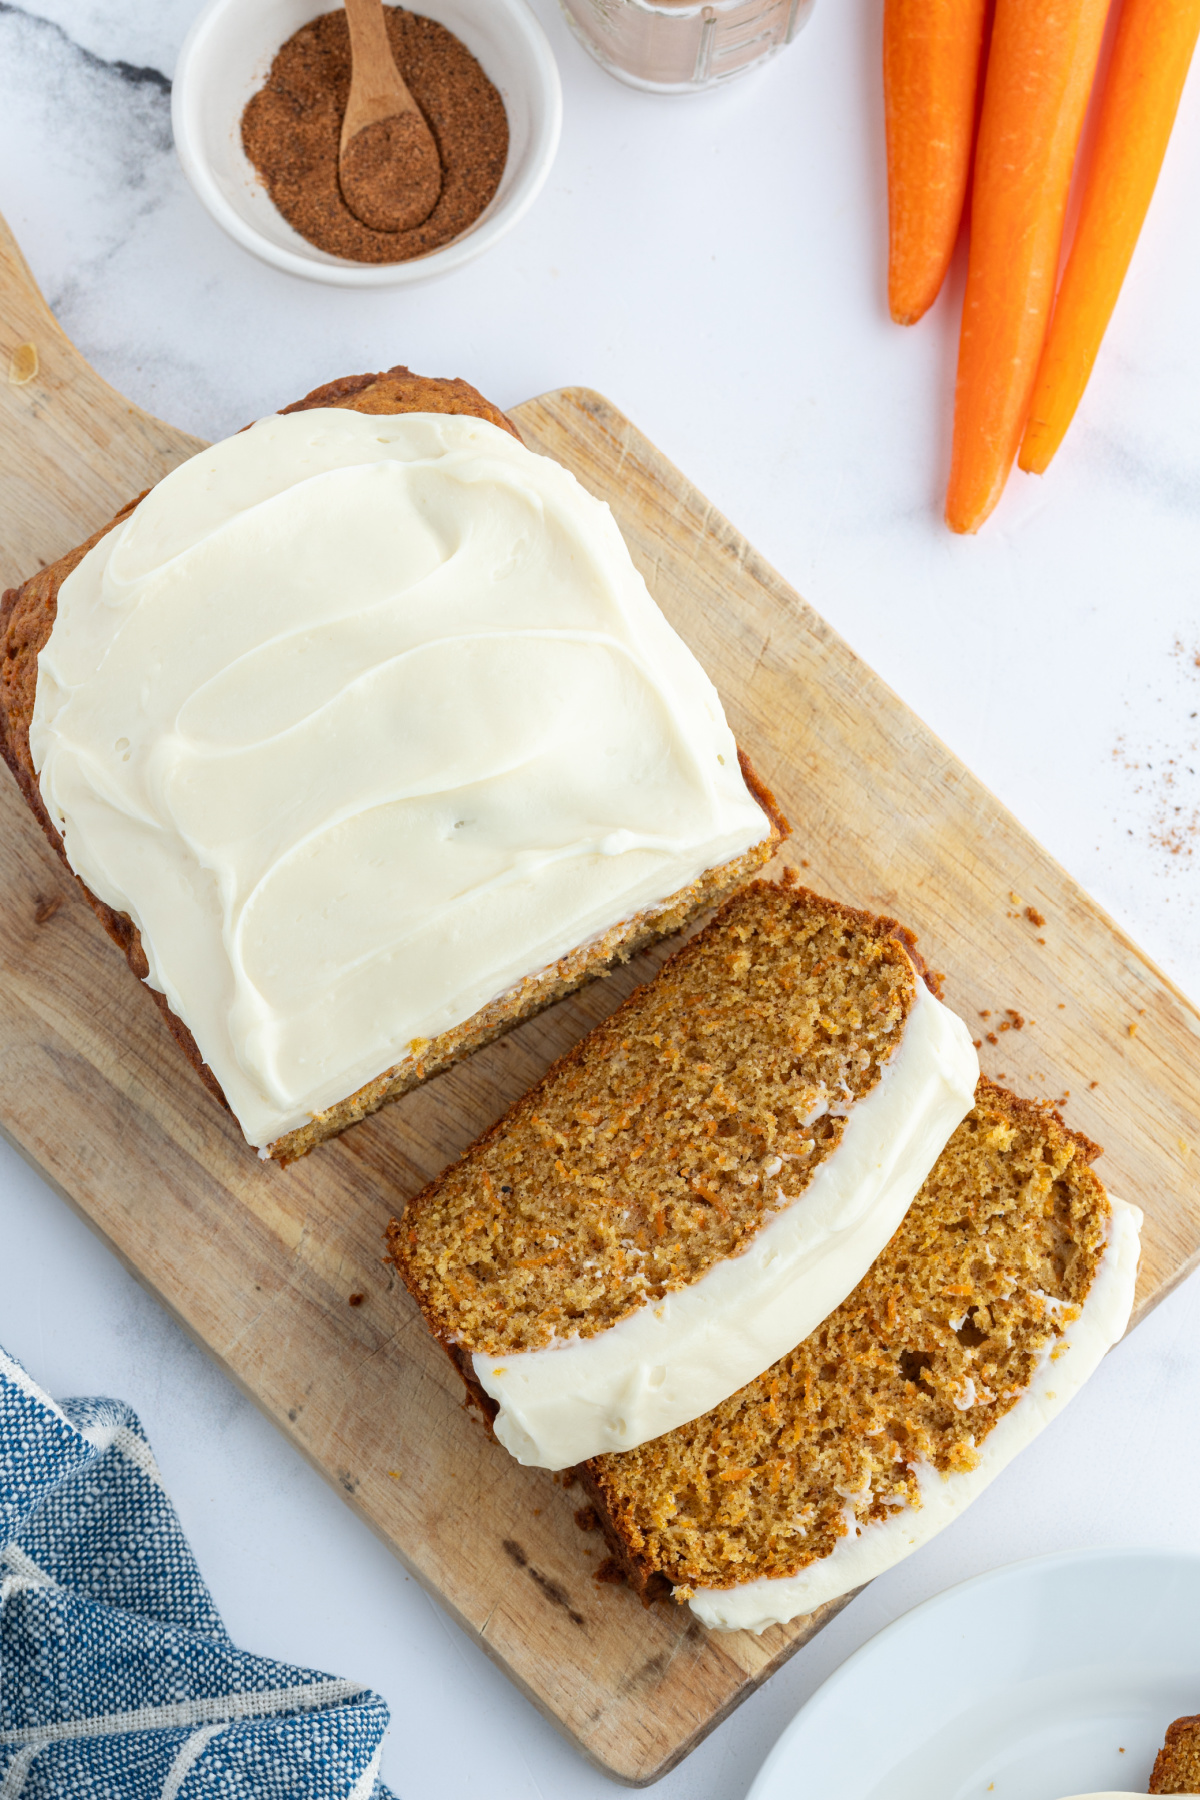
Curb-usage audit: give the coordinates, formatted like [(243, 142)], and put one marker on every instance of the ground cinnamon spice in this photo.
[(391, 174), (291, 131)]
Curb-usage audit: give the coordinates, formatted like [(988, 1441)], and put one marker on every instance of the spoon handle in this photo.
[(377, 89)]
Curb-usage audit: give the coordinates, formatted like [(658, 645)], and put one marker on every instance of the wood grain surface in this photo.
[(259, 1263)]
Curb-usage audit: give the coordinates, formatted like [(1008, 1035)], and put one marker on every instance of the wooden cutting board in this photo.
[(259, 1263)]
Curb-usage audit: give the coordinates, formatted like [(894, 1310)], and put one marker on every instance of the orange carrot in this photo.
[(1151, 53), (932, 54), (1040, 68)]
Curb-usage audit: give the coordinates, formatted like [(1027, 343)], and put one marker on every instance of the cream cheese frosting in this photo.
[(676, 1358), (867, 1551), (363, 719)]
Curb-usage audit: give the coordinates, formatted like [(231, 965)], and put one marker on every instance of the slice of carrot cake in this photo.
[(692, 1188), (1010, 1277), (366, 739), (1177, 1765)]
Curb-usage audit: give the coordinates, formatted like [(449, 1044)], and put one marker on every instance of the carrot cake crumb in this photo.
[(662, 1143), (948, 1328), (1177, 1765)]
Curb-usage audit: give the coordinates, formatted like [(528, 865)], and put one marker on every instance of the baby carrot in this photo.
[(932, 51), (1151, 53), (1041, 63)]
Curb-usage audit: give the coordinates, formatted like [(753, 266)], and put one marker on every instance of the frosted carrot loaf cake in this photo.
[(697, 1184), (366, 740), (1010, 1277)]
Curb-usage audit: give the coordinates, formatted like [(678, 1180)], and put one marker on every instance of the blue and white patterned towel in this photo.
[(117, 1678)]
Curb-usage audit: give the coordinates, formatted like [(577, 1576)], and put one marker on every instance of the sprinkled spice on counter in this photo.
[(291, 131)]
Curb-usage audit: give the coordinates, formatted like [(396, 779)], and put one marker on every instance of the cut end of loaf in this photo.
[(539, 991)]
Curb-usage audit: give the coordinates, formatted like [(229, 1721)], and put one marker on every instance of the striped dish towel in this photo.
[(118, 1680)]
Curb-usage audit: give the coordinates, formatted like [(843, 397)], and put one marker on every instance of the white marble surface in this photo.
[(716, 266)]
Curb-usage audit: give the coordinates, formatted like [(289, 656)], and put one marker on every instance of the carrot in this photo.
[(1151, 53), (932, 55), (1040, 67)]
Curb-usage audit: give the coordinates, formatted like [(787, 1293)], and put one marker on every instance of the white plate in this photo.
[(1051, 1677)]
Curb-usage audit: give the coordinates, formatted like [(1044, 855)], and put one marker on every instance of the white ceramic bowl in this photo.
[(225, 59)]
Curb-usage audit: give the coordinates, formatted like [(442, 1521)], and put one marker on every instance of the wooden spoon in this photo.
[(388, 164)]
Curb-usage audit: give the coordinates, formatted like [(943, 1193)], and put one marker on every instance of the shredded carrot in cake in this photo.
[(993, 1260), (664, 1142)]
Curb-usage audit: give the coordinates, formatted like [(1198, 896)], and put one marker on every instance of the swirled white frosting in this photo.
[(867, 1551), (678, 1357), (364, 719)]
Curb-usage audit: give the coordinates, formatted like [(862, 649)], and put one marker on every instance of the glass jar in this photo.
[(683, 46)]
